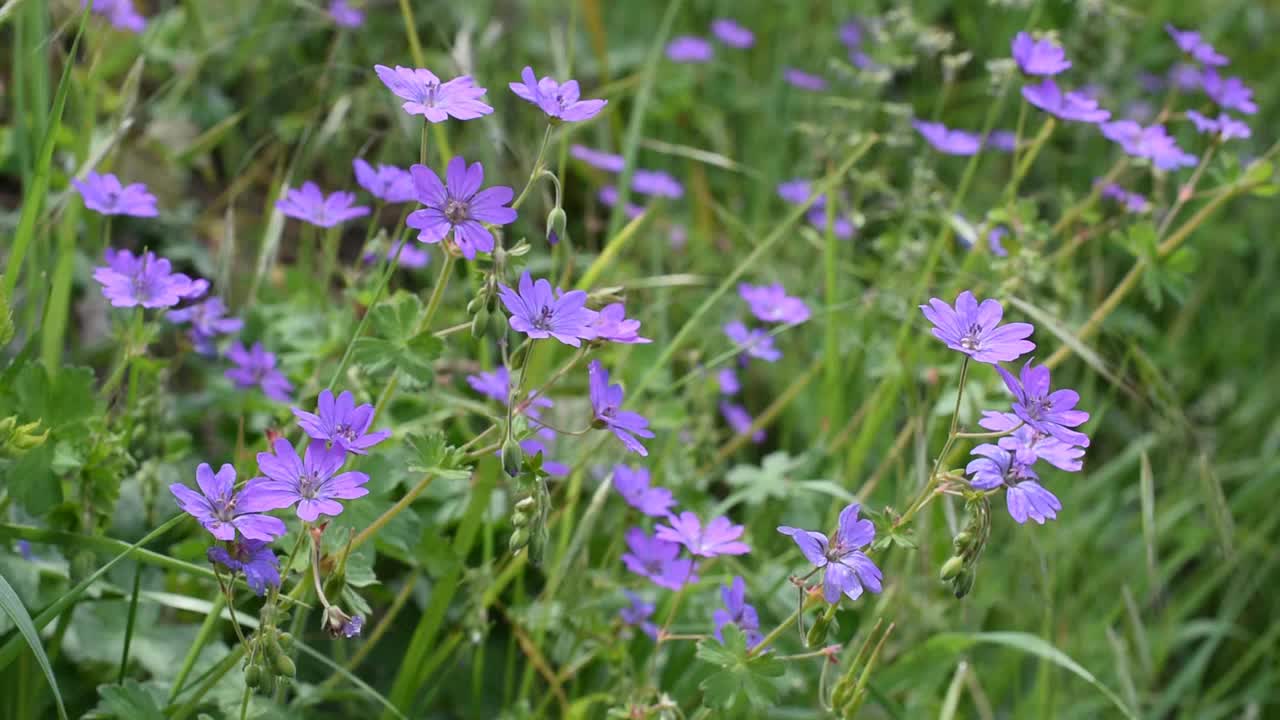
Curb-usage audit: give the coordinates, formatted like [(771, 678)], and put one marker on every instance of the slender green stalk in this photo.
[(193, 653), (536, 172), (364, 320), (130, 619)]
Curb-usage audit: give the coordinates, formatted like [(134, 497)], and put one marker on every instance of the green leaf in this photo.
[(772, 480), (433, 454), (128, 702), (12, 606), (415, 358), (395, 343), (741, 675), (396, 317)]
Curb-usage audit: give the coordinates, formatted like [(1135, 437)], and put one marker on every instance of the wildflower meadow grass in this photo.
[(685, 359)]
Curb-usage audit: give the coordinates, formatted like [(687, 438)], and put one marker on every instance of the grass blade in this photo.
[(13, 607)]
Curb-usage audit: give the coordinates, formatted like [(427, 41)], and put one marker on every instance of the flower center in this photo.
[(1038, 407), (543, 321), (456, 211), (307, 485), (970, 339), (112, 197), (346, 432)]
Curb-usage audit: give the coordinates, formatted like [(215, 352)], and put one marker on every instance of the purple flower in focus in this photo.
[(352, 627), (1050, 411), (120, 13), (459, 206), (311, 206), (771, 303), (718, 537), (385, 182), (558, 101), (637, 614), (427, 96), (612, 324), (727, 379), (145, 280), (609, 197), (689, 49), (208, 320), (253, 558), (256, 366), (344, 15), (606, 403), (740, 420), (539, 313), (656, 182), (1028, 444), (947, 141), (1024, 495), (658, 560), (1224, 127), (222, 511), (736, 611), (846, 570), (312, 481), (732, 34), (1228, 93), (974, 329), (1192, 44), (803, 80), (104, 194), (1069, 106), (1039, 57), (598, 158), (633, 485), (754, 343), (341, 422)]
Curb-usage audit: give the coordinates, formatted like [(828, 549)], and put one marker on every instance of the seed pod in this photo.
[(253, 676), (480, 323), (961, 541), (818, 631), (268, 684), (286, 640), (519, 519), (951, 568), (512, 456), (962, 584), (284, 666), (519, 539), (840, 695), (526, 505)]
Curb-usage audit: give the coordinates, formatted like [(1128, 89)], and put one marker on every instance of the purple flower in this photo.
[(1049, 411), (312, 481), (611, 324), (633, 485), (606, 402), (994, 239), (803, 80), (427, 96), (718, 537), (740, 420), (385, 182), (797, 191), (253, 558), (727, 379), (598, 158), (558, 101), (1039, 57), (732, 34), (1024, 495), (341, 423), (944, 140), (1132, 202), (120, 13), (1028, 444), (657, 560), (689, 49), (311, 206), (344, 15), (458, 206), (1186, 76), (1069, 106), (609, 196), (1153, 143), (975, 329), (146, 280), (539, 313), (771, 303), (411, 256), (104, 194), (1225, 126), (842, 228), (222, 511), (656, 182), (352, 627), (736, 611), (256, 366), (1002, 140), (208, 320), (846, 569), (496, 384), (851, 34), (637, 614), (1228, 93), (1192, 44), (755, 342)]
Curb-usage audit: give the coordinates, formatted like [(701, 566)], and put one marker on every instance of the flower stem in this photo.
[(926, 493), (536, 171), (433, 304), (377, 296)]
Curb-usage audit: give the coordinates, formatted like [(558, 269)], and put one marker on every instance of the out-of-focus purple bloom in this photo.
[(1068, 106), (1039, 57), (656, 182), (1133, 202), (718, 537), (534, 446), (120, 13), (1186, 76), (311, 481), (1028, 444), (1153, 143), (755, 342), (846, 569), (385, 182), (427, 96), (732, 34), (803, 80), (344, 15), (609, 197), (253, 558), (727, 379), (598, 158), (740, 420), (256, 366), (104, 194), (612, 324), (637, 614), (851, 34), (459, 206), (633, 485), (947, 141), (1190, 42), (797, 191), (843, 227), (1151, 82), (495, 385), (1050, 411), (540, 313), (658, 560), (1225, 126), (208, 320), (558, 101), (1024, 495), (411, 256), (994, 241), (606, 403), (771, 303), (24, 549), (1228, 93), (341, 422), (1002, 140), (145, 280), (689, 49), (736, 611), (222, 511), (310, 205), (974, 329), (677, 236)]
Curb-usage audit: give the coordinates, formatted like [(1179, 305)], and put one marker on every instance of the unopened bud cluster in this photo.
[(961, 568)]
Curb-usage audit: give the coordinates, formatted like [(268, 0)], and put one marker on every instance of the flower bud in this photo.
[(818, 631), (286, 640), (962, 584), (253, 676), (556, 222), (526, 505), (519, 539), (480, 323), (519, 520), (512, 457), (268, 684), (951, 568), (961, 541), (281, 663)]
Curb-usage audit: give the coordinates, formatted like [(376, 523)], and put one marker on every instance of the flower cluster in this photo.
[(798, 190)]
